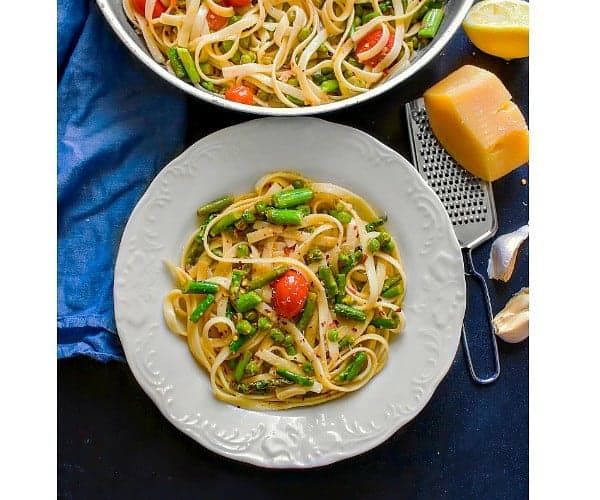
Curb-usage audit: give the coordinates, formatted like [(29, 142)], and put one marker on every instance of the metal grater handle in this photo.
[(471, 271)]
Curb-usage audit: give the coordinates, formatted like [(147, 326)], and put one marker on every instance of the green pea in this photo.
[(297, 102), (329, 86), (293, 81), (304, 34), (374, 245), (277, 335), (242, 250), (245, 43), (236, 58), (246, 59), (226, 45), (318, 78), (367, 17), (209, 86), (232, 19)]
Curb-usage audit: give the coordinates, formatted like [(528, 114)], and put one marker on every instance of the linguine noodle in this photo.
[(227, 301), (285, 53)]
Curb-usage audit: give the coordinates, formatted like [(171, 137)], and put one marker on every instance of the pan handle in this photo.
[(472, 272)]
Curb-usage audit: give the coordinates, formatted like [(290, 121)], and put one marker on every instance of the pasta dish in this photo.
[(289, 295), (285, 53)]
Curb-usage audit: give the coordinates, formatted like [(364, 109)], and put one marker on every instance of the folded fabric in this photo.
[(118, 125)]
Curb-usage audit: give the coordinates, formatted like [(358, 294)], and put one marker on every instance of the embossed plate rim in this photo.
[(323, 434)]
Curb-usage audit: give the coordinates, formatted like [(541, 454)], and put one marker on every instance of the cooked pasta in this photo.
[(285, 53), (288, 296)]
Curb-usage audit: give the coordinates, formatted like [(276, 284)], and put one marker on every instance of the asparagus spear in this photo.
[(235, 345), (229, 312), (241, 366), (260, 206), (284, 216), (176, 62), (353, 368), (266, 278), (371, 226), (431, 23), (188, 63), (215, 205), (200, 287), (309, 309), (341, 284), (202, 308), (262, 386), (347, 341), (197, 246), (247, 301), (295, 377), (329, 282), (394, 291), (390, 282), (350, 312), (225, 222), (292, 197), (386, 323), (236, 282)]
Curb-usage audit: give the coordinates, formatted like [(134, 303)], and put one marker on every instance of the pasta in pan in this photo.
[(288, 296), (285, 53)]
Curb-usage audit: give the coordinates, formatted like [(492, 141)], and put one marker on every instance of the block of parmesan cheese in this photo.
[(472, 115)]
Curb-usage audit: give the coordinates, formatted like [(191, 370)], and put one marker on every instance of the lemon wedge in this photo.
[(499, 27)]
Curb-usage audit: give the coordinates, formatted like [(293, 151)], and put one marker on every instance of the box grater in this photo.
[(469, 202)]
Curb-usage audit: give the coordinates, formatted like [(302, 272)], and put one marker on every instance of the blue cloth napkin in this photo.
[(118, 125)]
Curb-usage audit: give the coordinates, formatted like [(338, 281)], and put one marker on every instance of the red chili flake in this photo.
[(352, 289), (398, 310), (363, 258), (354, 329), (326, 256), (289, 250)]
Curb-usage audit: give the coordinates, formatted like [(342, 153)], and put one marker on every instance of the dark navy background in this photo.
[(469, 441)]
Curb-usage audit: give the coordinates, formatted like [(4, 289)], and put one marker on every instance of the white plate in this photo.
[(230, 161)]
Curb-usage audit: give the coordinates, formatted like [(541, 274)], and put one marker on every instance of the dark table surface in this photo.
[(470, 441)]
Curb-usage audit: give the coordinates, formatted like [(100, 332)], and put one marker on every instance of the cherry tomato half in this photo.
[(240, 93), (239, 3), (371, 39), (289, 294), (140, 6), (215, 23)]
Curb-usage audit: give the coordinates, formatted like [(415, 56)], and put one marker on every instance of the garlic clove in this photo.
[(504, 253), (512, 323)]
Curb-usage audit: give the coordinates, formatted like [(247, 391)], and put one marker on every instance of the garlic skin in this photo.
[(503, 254), (512, 323)]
